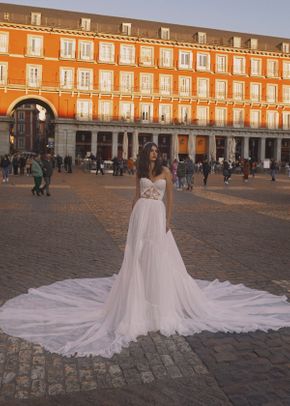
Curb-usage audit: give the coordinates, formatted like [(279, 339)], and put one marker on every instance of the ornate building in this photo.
[(109, 84)]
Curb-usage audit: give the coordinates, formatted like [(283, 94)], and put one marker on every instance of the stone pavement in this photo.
[(238, 232)]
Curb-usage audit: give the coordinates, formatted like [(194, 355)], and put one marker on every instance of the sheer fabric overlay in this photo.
[(152, 292)]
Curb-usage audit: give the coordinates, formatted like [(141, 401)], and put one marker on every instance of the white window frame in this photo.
[(106, 81), (221, 67), (253, 43), (201, 37), (219, 94), (105, 108), (272, 98), (166, 57), (126, 28), (184, 118), (220, 116), (256, 67), (286, 69), (286, 120), (146, 116), (184, 86), (83, 53), (241, 118), (165, 117), (165, 33), (81, 115), (165, 85), (253, 96), (200, 66), (272, 124), (3, 73), (35, 18), (202, 119), (146, 83), (66, 80), (238, 95), (126, 82), (255, 118), (200, 93), (87, 75), (4, 42), (107, 52), (32, 48), (286, 94), (285, 47), (127, 57), (241, 69), (272, 73), (126, 114), (146, 60), (184, 55), (64, 49), (237, 42), (37, 79), (85, 24)]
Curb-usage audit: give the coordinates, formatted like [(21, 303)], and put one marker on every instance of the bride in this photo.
[(152, 292)]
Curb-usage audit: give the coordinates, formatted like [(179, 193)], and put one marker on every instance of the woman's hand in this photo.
[(167, 226)]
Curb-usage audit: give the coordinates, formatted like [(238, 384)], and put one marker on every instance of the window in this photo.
[(126, 28), (4, 42), (66, 78), (127, 82), (202, 87), (239, 65), (271, 93), (67, 48), (146, 83), (221, 63), (85, 24), (127, 111), (286, 70), (166, 58), (21, 128), (202, 115), (184, 86), (34, 73), (106, 81), (127, 54), (286, 94), (272, 119), (203, 62), (221, 89), (85, 79), (238, 90), (285, 47), (20, 143), (105, 110), (165, 85), (255, 67), (255, 90), (236, 42), (146, 112), (164, 33), (238, 118), (272, 68), (21, 115), (253, 43), (86, 50), (3, 73), (185, 60), (255, 118), (184, 114), (84, 109), (34, 46), (147, 56), (35, 18), (201, 37), (6, 16), (220, 116), (164, 113), (286, 121), (106, 52)]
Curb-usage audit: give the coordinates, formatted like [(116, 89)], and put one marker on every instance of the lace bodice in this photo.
[(152, 190)]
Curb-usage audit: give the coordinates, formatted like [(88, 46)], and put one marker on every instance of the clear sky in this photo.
[(265, 17)]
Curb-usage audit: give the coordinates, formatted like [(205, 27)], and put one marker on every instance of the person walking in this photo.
[(206, 171), (59, 162), (246, 170), (174, 172), (47, 170), (37, 173), (5, 165), (181, 174), (189, 172), (226, 172), (273, 169), (100, 165)]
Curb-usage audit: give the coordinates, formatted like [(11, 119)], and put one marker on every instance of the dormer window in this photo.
[(285, 48), (201, 37), (86, 24), (36, 18), (164, 33), (236, 42), (6, 16), (253, 43), (126, 28)]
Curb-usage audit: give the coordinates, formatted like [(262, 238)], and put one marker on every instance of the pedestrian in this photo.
[(15, 164), (28, 165), (22, 164), (65, 163), (226, 172), (206, 171), (246, 170), (59, 162), (273, 169), (181, 174), (174, 172), (115, 166), (253, 168), (37, 173), (189, 172), (5, 166), (121, 166), (100, 165), (69, 164), (47, 170), (130, 166)]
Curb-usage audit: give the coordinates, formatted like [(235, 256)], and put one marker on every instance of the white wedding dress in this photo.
[(152, 292)]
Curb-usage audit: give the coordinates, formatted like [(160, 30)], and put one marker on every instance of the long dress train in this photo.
[(152, 292)]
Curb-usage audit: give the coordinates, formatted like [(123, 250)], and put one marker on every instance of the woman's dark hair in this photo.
[(143, 162)]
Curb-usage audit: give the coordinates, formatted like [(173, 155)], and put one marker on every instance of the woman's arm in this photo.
[(137, 192), (169, 197)]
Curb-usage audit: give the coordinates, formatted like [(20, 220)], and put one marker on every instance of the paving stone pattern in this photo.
[(237, 233)]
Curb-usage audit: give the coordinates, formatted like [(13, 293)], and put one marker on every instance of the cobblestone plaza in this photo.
[(238, 233)]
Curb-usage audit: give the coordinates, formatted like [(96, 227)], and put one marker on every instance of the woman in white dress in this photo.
[(152, 292)]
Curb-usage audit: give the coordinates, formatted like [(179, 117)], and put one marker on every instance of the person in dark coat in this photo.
[(47, 170), (206, 171), (5, 165), (59, 162), (100, 165), (115, 166), (226, 172)]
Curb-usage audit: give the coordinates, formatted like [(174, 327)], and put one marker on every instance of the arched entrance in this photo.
[(32, 128)]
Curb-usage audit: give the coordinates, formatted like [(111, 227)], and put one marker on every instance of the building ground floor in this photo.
[(110, 140)]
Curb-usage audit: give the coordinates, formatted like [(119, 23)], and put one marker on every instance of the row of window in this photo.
[(84, 81), (126, 112), (147, 58)]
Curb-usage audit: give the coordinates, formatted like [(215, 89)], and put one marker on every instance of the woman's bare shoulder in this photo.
[(165, 170)]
